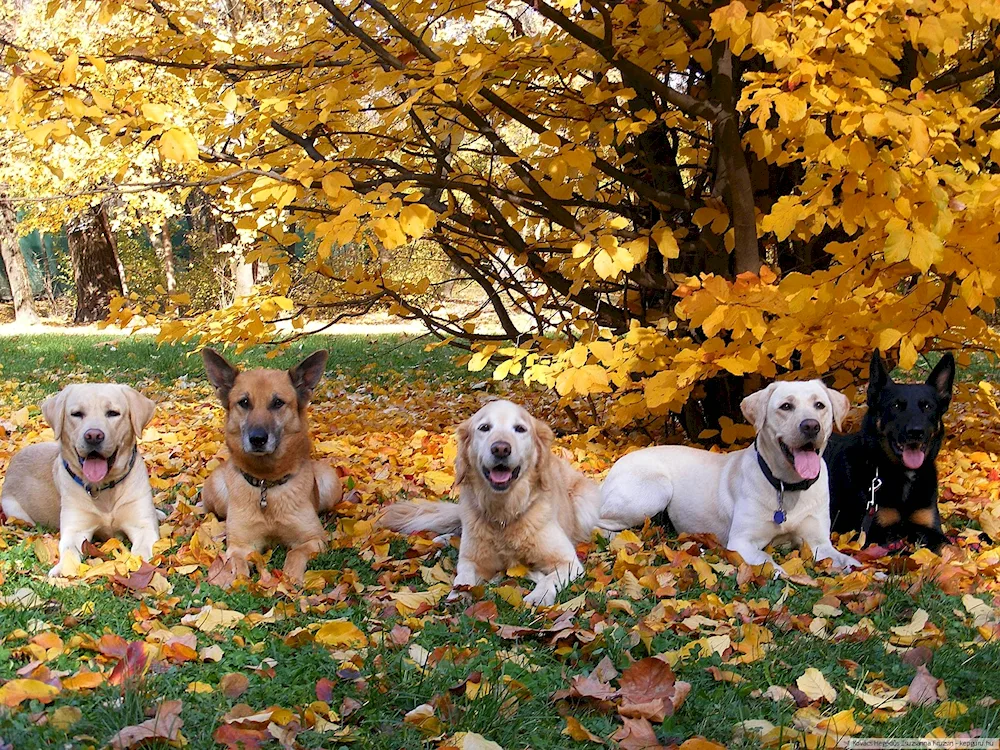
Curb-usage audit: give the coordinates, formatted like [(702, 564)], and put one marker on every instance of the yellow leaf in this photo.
[(416, 219), (210, 618), (341, 633), (920, 140), (814, 685), (951, 710), (178, 145), (13, 693), (199, 687), (841, 723)]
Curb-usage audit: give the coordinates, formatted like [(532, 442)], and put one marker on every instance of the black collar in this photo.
[(264, 485), (93, 489), (779, 485)]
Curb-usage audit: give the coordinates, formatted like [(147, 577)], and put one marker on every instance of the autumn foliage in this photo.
[(656, 198)]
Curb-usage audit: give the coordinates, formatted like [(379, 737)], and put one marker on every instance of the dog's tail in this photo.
[(407, 518)]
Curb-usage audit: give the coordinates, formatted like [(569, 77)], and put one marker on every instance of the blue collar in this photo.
[(93, 489)]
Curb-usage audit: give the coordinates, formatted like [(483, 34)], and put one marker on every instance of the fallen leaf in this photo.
[(923, 689), (210, 618), (814, 685), (15, 692), (576, 730), (165, 725), (233, 685), (636, 734), (341, 633)]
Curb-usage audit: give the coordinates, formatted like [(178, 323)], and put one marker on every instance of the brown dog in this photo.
[(271, 491)]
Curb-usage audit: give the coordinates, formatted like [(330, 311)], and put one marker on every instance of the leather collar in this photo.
[(264, 485), (94, 489)]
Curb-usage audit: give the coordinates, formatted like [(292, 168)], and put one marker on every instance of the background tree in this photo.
[(94, 250), (14, 266), (656, 198)]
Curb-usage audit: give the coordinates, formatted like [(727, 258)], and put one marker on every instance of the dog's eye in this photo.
[(484, 427), (820, 405), (277, 403), (76, 414), (111, 413), (925, 406), (899, 405), (786, 407), (520, 428), (243, 403)]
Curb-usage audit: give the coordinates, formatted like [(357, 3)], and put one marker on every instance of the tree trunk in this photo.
[(17, 269), (243, 274), (165, 251), (95, 265)]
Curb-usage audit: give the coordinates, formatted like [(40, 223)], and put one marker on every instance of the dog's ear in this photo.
[(54, 411), (942, 378), (841, 405), (140, 409), (543, 438), (220, 373), (461, 454), (307, 374), (754, 406), (878, 377)]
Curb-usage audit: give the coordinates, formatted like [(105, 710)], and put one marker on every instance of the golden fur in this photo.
[(38, 488), (275, 403), (536, 521)]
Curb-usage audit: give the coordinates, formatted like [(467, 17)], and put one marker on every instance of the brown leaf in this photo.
[(484, 611), (636, 734), (923, 688), (400, 635), (648, 690), (917, 656), (233, 685), (240, 738), (586, 686), (605, 670), (165, 725), (324, 690), (137, 580)]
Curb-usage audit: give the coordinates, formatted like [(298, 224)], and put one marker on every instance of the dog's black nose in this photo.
[(809, 428), (915, 435), (93, 437), (500, 449), (258, 438)]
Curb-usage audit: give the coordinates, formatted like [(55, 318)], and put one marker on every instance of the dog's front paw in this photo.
[(543, 595), (844, 562), (458, 595)]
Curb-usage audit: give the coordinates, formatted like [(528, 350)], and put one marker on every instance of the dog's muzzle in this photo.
[(501, 476), (258, 441)]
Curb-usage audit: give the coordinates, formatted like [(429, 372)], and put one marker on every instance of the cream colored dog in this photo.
[(771, 492), (92, 482), (519, 504)]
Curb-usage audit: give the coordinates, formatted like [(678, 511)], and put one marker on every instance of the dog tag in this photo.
[(779, 516)]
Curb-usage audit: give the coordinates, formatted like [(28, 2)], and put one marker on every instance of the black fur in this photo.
[(899, 416)]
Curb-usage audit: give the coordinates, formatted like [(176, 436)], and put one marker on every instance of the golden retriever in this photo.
[(91, 483), (518, 504), (270, 491)]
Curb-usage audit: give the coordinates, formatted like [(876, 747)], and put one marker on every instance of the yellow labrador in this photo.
[(91, 482), (776, 490), (519, 504)]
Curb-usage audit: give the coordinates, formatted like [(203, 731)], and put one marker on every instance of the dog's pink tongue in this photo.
[(807, 464), (500, 476), (913, 458), (95, 468)]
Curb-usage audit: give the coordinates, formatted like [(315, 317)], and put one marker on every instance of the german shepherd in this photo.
[(271, 491), (883, 480)]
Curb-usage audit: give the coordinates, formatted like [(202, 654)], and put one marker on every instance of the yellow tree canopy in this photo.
[(657, 198)]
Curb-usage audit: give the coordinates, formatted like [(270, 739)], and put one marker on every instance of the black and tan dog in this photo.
[(270, 491), (883, 480)]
